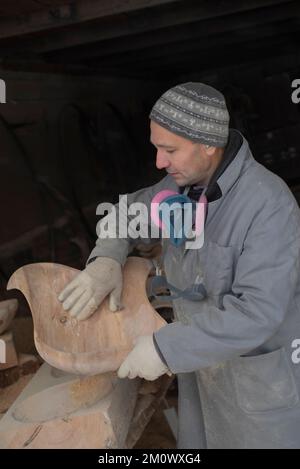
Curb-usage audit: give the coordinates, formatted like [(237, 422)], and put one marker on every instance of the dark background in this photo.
[(81, 78)]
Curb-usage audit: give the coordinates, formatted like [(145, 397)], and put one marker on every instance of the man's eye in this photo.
[(170, 151)]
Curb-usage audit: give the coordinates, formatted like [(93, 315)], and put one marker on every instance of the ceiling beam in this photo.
[(16, 8), (129, 24), (72, 12), (271, 59), (181, 70), (194, 48), (204, 29), (272, 56)]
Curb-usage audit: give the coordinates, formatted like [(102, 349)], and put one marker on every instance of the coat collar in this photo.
[(236, 161), (230, 167)]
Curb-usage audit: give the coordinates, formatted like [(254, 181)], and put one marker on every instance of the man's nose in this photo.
[(161, 160)]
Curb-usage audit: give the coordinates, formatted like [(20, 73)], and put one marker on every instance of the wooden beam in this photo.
[(72, 12), (156, 56), (244, 53), (153, 68), (177, 65), (186, 12), (203, 29), (270, 60), (16, 8), (89, 412)]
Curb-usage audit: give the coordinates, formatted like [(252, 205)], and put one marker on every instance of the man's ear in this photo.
[(210, 150)]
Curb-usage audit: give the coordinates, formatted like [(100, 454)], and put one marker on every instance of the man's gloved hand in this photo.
[(143, 361), (85, 293)]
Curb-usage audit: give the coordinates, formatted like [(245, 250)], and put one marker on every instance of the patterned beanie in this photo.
[(194, 111)]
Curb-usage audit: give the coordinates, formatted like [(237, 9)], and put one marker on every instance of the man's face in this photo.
[(188, 163)]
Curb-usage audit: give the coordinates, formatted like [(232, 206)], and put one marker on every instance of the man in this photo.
[(231, 349)]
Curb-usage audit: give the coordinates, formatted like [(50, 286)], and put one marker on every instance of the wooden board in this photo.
[(99, 344), (64, 411)]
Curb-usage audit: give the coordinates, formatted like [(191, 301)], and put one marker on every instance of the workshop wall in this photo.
[(67, 143)]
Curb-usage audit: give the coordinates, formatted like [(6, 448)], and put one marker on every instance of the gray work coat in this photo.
[(232, 351)]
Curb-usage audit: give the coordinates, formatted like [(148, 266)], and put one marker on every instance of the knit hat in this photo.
[(194, 111)]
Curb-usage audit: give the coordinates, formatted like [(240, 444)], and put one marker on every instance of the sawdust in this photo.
[(89, 390)]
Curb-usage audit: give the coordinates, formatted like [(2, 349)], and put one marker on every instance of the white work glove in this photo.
[(143, 361), (87, 290)]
